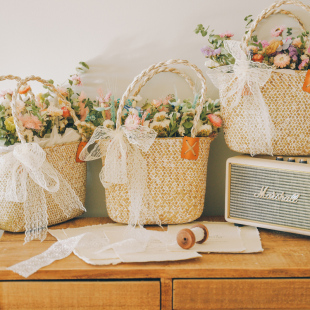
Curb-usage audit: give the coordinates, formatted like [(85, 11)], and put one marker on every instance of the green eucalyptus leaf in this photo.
[(188, 125), (84, 64)]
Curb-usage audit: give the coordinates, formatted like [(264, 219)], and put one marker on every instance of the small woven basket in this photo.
[(63, 159), (177, 186), (288, 104)]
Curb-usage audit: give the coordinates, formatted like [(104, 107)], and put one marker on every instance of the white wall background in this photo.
[(118, 39)]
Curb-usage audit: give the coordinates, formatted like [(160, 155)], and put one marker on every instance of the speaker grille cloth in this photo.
[(247, 181)]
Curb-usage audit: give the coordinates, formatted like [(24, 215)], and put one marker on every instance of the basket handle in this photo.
[(166, 69), (22, 82), (290, 14), (266, 13), (10, 77), (155, 68)]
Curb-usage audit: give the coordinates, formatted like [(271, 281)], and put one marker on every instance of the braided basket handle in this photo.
[(290, 14), (166, 69), (10, 77), (267, 12), (16, 78), (22, 82), (155, 68)]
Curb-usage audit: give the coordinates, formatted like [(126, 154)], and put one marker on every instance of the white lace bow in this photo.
[(241, 83), (125, 164), (25, 176)]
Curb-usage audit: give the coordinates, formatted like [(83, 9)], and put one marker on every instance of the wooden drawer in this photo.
[(54, 295), (242, 294)]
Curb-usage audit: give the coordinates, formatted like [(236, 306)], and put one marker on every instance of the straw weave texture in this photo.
[(62, 157), (177, 186), (289, 108)]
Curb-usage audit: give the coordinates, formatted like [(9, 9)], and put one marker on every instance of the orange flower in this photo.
[(258, 58), (272, 48), (65, 112), (24, 89)]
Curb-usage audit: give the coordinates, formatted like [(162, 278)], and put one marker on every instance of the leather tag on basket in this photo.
[(190, 148), (306, 86), (79, 150)]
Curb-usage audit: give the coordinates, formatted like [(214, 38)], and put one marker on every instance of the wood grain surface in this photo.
[(285, 255), (80, 295), (241, 294), (166, 294)]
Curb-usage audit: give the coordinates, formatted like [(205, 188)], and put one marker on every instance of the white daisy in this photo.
[(160, 116), (133, 111), (181, 131), (108, 124), (28, 134), (53, 111), (205, 130)]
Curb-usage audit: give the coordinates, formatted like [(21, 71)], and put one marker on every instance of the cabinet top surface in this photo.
[(285, 255)]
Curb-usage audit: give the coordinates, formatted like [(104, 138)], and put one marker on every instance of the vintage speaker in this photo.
[(269, 192)]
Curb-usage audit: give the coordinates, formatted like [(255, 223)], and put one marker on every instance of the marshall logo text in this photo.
[(276, 196)]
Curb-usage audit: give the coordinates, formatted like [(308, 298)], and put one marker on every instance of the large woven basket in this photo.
[(288, 105), (177, 186), (63, 158)]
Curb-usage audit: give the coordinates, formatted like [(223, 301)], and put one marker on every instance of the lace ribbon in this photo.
[(94, 245), (125, 164), (28, 176), (242, 83), (57, 251)]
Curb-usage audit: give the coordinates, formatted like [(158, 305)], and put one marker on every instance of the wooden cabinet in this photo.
[(241, 294), (80, 295), (278, 278)]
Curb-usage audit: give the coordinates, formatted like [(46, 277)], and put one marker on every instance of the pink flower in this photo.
[(76, 80), (157, 103), (83, 111), (297, 42), (303, 63), (103, 98), (215, 120), (30, 121), (132, 122), (167, 99), (277, 31), (264, 43), (3, 93), (226, 34), (63, 91), (20, 106), (163, 109), (82, 96), (282, 60), (107, 97)]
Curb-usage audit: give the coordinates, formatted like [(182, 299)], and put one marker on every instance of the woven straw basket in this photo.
[(63, 159), (177, 186), (288, 104)]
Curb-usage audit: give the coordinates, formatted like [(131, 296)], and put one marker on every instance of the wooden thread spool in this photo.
[(187, 238)]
